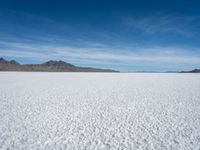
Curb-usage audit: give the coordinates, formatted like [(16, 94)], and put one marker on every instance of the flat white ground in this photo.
[(99, 111)]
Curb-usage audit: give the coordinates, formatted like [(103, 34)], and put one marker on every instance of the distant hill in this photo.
[(191, 71), (49, 66)]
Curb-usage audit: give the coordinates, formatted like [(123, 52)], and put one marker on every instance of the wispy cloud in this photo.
[(163, 24), (41, 38), (102, 54)]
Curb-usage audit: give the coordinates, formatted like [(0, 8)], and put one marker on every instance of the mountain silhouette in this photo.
[(49, 66)]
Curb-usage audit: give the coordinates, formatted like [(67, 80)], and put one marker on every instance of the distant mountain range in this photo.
[(61, 66), (191, 71), (49, 66)]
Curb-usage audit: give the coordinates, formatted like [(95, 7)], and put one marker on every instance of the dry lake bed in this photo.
[(99, 111)]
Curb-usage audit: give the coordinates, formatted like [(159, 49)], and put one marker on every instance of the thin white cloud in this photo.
[(102, 54), (162, 24)]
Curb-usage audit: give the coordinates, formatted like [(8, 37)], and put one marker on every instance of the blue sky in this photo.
[(145, 35)]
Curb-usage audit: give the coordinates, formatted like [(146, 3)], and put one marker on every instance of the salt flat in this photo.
[(99, 111)]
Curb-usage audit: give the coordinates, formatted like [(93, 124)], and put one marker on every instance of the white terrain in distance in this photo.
[(99, 111)]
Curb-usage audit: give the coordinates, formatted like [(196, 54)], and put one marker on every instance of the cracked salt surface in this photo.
[(99, 111)]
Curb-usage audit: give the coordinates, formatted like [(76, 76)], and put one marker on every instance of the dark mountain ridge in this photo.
[(12, 62), (49, 66), (57, 63), (191, 71)]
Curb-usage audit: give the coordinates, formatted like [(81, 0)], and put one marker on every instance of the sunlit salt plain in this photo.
[(99, 111)]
